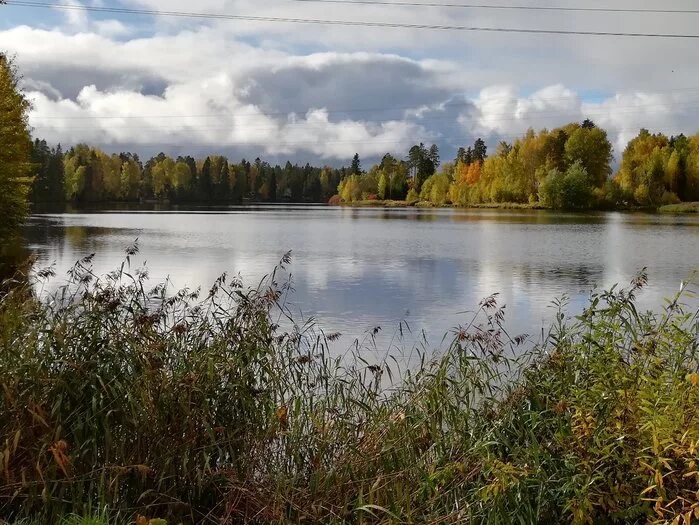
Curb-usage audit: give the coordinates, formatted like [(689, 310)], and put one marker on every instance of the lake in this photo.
[(358, 268)]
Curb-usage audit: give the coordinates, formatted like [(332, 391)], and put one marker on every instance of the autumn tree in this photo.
[(15, 150), (591, 148)]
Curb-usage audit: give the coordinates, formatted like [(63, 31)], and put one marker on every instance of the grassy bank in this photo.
[(200, 409), (427, 204), (684, 207), (378, 204)]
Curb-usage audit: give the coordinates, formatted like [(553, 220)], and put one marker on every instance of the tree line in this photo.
[(565, 168), (88, 174), (569, 167)]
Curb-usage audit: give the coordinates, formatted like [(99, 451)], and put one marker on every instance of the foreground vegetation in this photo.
[(134, 401)]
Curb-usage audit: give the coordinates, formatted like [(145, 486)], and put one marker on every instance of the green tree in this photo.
[(423, 163), (436, 189), (48, 176), (130, 179), (206, 182), (15, 150), (590, 147), (480, 151), (382, 188), (356, 166), (224, 183), (568, 191)]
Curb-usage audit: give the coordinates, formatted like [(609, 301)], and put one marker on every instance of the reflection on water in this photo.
[(356, 268)]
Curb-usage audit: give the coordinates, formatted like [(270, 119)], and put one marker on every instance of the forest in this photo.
[(569, 167), (87, 174)]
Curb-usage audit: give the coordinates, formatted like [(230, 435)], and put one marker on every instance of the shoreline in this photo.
[(677, 209), (669, 209)]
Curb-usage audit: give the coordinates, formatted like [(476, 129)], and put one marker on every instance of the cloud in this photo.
[(182, 116), (75, 18), (312, 92), (502, 112)]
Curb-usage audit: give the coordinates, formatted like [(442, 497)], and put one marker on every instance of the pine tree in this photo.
[(356, 167), (224, 187), (480, 151), (205, 181), (273, 186)]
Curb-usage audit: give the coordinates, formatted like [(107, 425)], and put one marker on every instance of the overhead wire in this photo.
[(507, 7), (223, 16), (347, 23)]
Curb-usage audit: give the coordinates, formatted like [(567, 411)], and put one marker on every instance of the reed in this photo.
[(199, 408)]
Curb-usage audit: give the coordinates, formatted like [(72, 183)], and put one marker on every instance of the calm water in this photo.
[(354, 269)]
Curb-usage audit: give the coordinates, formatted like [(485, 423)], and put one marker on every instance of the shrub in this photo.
[(669, 198)]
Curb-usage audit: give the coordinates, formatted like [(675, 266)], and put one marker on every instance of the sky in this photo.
[(320, 93)]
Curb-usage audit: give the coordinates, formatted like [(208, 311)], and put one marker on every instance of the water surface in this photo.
[(358, 268)]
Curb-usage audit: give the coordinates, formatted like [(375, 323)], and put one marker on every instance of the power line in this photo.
[(504, 7), (347, 23)]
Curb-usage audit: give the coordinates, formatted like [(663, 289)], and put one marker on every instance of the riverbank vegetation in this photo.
[(683, 207), (124, 397), (564, 168)]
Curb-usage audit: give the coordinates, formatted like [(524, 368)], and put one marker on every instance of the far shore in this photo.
[(681, 208), (670, 209)]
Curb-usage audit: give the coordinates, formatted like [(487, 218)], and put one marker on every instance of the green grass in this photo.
[(198, 408), (684, 207), (427, 204), (377, 204), (511, 206)]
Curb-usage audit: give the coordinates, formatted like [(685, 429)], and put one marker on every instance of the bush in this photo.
[(669, 198), (436, 189), (412, 196), (335, 200)]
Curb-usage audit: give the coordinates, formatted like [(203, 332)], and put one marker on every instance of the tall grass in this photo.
[(199, 408)]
